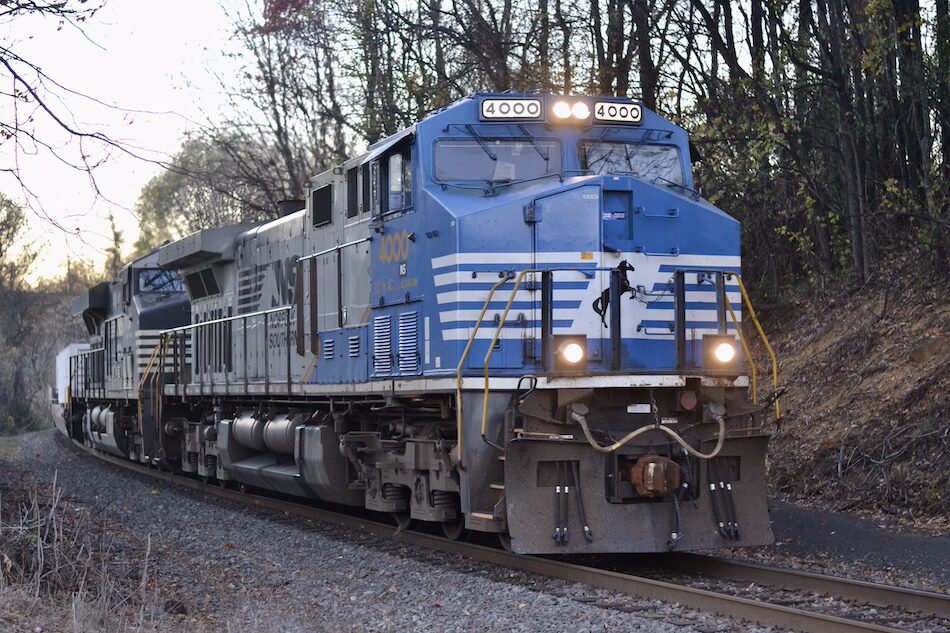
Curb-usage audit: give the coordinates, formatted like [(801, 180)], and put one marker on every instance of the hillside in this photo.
[(868, 402)]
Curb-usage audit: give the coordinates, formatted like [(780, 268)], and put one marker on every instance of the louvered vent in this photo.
[(354, 346), (382, 345), (408, 343), (328, 349)]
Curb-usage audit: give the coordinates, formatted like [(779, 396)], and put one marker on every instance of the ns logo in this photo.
[(280, 286), (394, 248)]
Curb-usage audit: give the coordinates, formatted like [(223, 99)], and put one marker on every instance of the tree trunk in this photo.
[(648, 73), (544, 57), (565, 45)]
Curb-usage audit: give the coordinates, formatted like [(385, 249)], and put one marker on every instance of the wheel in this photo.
[(243, 488), (403, 519), (454, 530), (504, 539)]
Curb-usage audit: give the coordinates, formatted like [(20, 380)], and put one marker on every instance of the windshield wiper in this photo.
[(595, 145), (603, 159), (481, 143), (544, 155), (631, 149), (495, 185), (671, 183)]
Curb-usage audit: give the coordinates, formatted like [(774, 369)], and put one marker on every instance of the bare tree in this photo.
[(824, 123)]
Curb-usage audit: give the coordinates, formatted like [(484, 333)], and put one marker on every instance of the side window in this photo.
[(395, 182), (407, 179), (399, 176), (365, 186), (374, 204), (127, 287), (321, 205), (196, 286), (108, 344), (352, 193), (210, 283)]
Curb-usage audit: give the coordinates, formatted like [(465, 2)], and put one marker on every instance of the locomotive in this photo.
[(517, 316)]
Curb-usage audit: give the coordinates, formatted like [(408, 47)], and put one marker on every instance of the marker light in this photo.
[(572, 353), (724, 352), (580, 110), (688, 400), (562, 109)]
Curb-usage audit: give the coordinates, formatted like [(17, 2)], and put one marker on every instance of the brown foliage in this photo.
[(868, 423)]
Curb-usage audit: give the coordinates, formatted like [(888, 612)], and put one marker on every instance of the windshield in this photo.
[(496, 160), (154, 280), (653, 163)]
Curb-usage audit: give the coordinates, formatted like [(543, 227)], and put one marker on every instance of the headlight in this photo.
[(573, 353), (562, 109), (725, 352), (720, 351), (580, 110)]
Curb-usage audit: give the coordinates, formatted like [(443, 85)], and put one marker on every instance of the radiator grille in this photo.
[(408, 343), (328, 349), (354, 346), (382, 345)]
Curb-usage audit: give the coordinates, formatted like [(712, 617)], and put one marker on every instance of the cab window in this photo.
[(496, 160), (649, 162), (158, 281), (399, 180)]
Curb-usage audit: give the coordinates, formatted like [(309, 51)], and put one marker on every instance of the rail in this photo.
[(765, 342), (88, 370), (719, 278), (505, 277), (140, 389), (206, 361), (491, 349), (723, 305), (338, 247), (736, 607)]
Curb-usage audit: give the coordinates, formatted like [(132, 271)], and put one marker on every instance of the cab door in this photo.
[(567, 235)]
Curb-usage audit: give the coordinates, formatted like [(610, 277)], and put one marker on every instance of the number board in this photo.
[(511, 109), (618, 112)]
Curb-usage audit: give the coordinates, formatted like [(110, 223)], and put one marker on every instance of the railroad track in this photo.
[(723, 604)]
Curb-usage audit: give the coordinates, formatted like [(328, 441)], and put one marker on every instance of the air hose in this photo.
[(580, 410), (677, 533)]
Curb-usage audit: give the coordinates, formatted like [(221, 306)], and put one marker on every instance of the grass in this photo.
[(56, 570), (9, 447)]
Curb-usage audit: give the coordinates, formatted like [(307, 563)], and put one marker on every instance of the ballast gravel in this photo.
[(221, 566)]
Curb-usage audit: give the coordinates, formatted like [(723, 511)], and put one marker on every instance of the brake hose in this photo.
[(677, 533), (578, 415)]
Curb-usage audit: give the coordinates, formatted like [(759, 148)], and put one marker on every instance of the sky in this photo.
[(157, 62)]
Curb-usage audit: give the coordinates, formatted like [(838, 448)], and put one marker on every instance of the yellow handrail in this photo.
[(144, 377), (504, 318), (148, 369), (491, 346), (157, 378), (765, 341), (745, 348), (458, 370)]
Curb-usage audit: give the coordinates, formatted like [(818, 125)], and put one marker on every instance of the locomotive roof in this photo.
[(215, 243)]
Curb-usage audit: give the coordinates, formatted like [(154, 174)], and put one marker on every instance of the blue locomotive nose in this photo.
[(617, 214), (663, 220), (583, 229)]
